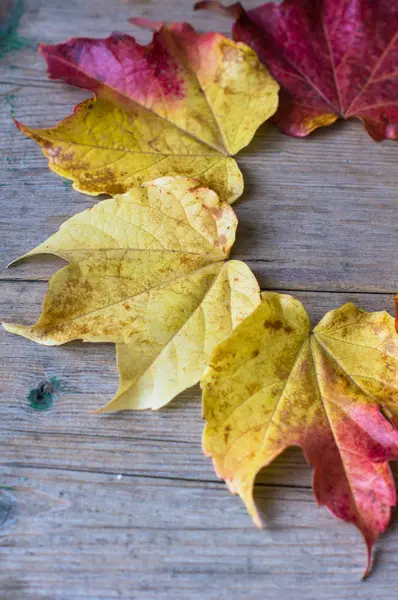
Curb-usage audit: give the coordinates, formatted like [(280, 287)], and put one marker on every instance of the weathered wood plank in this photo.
[(164, 443), (93, 536), (125, 505), (305, 223), (317, 213)]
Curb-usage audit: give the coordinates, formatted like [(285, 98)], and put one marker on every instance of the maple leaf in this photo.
[(332, 58), (332, 391), (147, 271), (181, 105)]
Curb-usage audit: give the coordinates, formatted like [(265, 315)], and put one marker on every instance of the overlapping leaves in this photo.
[(148, 268), (183, 105), (332, 391), (332, 58), (147, 271)]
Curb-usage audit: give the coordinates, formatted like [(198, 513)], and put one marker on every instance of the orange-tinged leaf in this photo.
[(183, 105), (147, 271), (333, 391)]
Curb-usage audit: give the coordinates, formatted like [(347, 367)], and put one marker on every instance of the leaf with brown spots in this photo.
[(148, 272), (182, 105), (333, 391)]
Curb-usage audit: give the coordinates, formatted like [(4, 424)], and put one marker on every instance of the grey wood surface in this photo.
[(125, 505)]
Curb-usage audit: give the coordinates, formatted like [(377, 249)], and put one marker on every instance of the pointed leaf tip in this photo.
[(159, 286), (369, 546), (273, 384), (18, 124), (192, 100), (145, 23)]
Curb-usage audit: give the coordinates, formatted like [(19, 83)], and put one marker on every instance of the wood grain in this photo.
[(125, 505)]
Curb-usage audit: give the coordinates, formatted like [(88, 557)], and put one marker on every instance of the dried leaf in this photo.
[(180, 106), (332, 58), (147, 271), (332, 391)]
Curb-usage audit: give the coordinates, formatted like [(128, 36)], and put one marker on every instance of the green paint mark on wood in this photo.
[(9, 99), (42, 397), (10, 39)]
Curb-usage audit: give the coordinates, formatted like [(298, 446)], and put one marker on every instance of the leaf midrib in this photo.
[(347, 112), (63, 61), (128, 297), (175, 334), (314, 336)]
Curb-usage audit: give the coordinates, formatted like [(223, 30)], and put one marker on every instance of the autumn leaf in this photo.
[(332, 391), (147, 271), (182, 105), (332, 58)]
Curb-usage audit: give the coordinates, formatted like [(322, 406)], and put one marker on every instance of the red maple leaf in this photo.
[(333, 59)]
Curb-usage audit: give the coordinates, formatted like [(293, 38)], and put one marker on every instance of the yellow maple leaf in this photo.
[(333, 391), (183, 105), (147, 271)]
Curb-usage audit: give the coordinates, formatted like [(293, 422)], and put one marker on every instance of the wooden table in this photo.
[(125, 505)]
